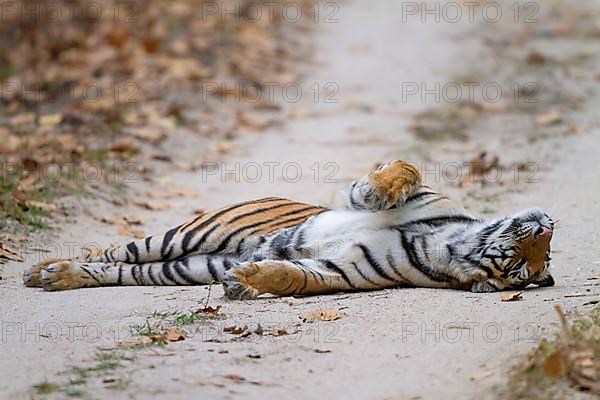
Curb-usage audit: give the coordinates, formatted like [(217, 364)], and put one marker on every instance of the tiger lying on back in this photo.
[(394, 232)]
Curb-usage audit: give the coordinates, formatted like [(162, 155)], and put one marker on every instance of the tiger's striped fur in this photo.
[(394, 232)]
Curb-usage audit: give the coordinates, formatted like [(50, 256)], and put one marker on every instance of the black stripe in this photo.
[(432, 201), (134, 275), (363, 275), (418, 196), (416, 262), (332, 266), (120, 277), (305, 281), (373, 263), (166, 270), (184, 273), (151, 275), (438, 221), (227, 264), (189, 235), (392, 263), (492, 285), (211, 269), (238, 249), (134, 250), (200, 242), (261, 210), (90, 274), (260, 224), (147, 241), (166, 242)]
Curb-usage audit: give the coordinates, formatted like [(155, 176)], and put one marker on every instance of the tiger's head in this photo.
[(517, 250)]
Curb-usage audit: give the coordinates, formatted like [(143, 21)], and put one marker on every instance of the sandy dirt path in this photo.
[(390, 344)]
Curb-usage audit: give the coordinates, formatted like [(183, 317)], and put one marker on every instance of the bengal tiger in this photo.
[(394, 232)]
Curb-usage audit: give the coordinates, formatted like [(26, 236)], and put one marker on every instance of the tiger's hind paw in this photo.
[(65, 275), (31, 275), (391, 185)]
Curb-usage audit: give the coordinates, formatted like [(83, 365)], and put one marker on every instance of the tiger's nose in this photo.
[(543, 231)]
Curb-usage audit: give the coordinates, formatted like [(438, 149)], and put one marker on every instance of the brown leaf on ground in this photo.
[(321, 315), (50, 119), (481, 166), (235, 378), (213, 312), (174, 334), (123, 230), (256, 121), (235, 330), (279, 332), (125, 146), (41, 205), (597, 276), (480, 376), (151, 205), (9, 253), (535, 57), (512, 296), (547, 119), (575, 130), (139, 341), (173, 192), (138, 234)]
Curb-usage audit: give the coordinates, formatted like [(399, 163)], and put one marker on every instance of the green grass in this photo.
[(31, 217), (45, 387)]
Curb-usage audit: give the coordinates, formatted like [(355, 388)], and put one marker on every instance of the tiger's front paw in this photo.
[(483, 287), (391, 185), (66, 275), (237, 283)]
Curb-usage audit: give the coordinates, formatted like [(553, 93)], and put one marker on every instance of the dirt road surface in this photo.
[(396, 344)]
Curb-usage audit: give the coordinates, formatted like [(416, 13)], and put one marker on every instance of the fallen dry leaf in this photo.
[(123, 230), (151, 205), (174, 334), (139, 341), (235, 330), (9, 253), (172, 192), (593, 277), (576, 295), (279, 332), (138, 234), (50, 119), (550, 118), (321, 315), (535, 57), (512, 296), (480, 376), (213, 312)]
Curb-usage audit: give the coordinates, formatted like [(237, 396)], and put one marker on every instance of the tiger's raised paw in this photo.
[(65, 275), (389, 186)]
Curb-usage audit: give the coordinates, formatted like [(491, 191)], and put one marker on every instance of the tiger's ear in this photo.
[(544, 279)]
